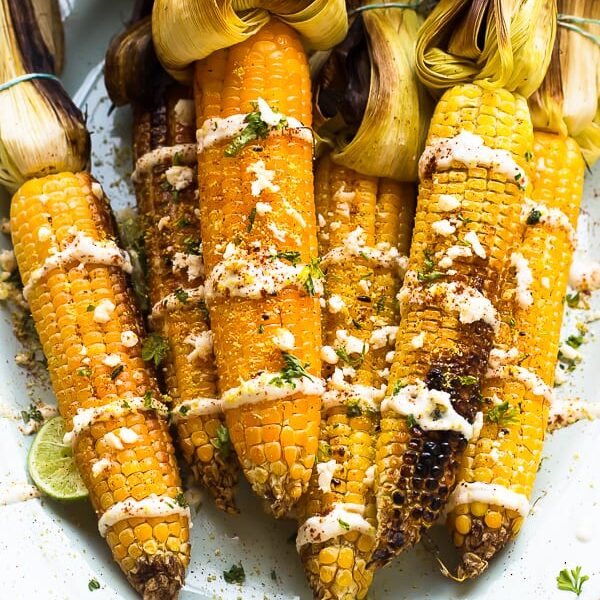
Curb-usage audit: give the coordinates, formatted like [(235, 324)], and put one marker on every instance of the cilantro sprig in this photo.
[(308, 275), (571, 580), (155, 348), (223, 442), (293, 369), (502, 414), (235, 574)]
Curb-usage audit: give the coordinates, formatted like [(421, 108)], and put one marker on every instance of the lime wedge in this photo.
[(51, 464)]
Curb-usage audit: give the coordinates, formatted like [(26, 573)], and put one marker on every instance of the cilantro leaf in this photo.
[(292, 369), (255, 129), (309, 273), (502, 414), (93, 585), (571, 580), (155, 348), (534, 217), (235, 574), (291, 256), (223, 442)]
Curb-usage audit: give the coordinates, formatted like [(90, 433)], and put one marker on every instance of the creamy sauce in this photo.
[(553, 217), (487, 493), (383, 255), (179, 177), (431, 409), (254, 275), (469, 150), (196, 407), (15, 492), (565, 411), (172, 302), (152, 506), (584, 275), (340, 392), (85, 250), (326, 471), (524, 279), (85, 417), (339, 521), (191, 262), (528, 378), (270, 387), (144, 164)]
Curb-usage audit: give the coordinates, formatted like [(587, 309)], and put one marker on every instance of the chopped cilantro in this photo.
[(180, 499), (411, 421), (184, 409), (182, 222), (512, 322), (353, 409), (355, 362), (181, 295), (534, 217), (84, 372), (428, 274), (116, 371), (255, 129), (290, 255), (344, 525), (573, 299), (464, 220), (398, 385), (223, 442), (93, 585), (204, 310), (177, 159), (309, 273), (528, 155), (468, 380), (251, 218), (575, 340), (502, 414), (273, 575), (90, 308), (323, 451), (380, 304), (148, 400), (33, 414), (235, 574), (292, 369), (192, 245), (571, 580), (155, 348)]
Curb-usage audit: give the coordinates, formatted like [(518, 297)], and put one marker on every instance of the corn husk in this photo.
[(185, 31), (373, 109), (497, 43), (46, 131), (47, 15), (567, 101)]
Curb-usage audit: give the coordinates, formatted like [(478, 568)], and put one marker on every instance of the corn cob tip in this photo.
[(158, 577)]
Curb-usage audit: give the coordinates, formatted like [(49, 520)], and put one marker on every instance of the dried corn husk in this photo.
[(372, 107), (567, 101), (46, 131), (186, 31), (47, 15), (498, 43)]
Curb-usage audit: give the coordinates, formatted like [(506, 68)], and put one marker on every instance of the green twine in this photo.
[(574, 19), (27, 77), (580, 31), (379, 5)]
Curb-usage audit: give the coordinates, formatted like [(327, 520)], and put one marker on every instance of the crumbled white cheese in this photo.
[(284, 339), (570, 353), (351, 343), (192, 262), (278, 233), (321, 220), (524, 278), (262, 208), (184, 111), (129, 339), (383, 336), (443, 227), (389, 357), (163, 222), (418, 340), (263, 180), (335, 304), (113, 441), (584, 275), (364, 285), (472, 239), (452, 253), (99, 466), (103, 311), (112, 360), (128, 436), (180, 176), (202, 345), (329, 355), (326, 471), (448, 202)]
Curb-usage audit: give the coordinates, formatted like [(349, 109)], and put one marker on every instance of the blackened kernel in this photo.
[(398, 498), (431, 484)]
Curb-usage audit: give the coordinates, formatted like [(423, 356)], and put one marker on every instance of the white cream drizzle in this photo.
[(85, 250), (431, 409), (339, 521), (524, 279), (16, 492), (528, 378), (85, 417), (326, 471), (469, 150), (171, 301), (152, 506), (196, 407), (565, 411), (145, 163), (553, 217), (487, 493)]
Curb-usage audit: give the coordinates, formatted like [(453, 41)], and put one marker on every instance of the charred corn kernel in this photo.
[(531, 332), (441, 343), (65, 289), (377, 214), (166, 195), (256, 201)]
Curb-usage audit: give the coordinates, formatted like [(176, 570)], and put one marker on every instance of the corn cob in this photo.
[(167, 199), (467, 221), (508, 452), (258, 230), (361, 304), (64, 239)]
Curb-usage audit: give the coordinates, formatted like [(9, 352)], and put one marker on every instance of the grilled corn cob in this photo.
[(518, 388), (473, 178), (64, 238), (360, 321), (260, 248), (167, 199)]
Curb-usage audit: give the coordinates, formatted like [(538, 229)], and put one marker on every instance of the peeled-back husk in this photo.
[(381, 99), (186, 31), (45, 132), (567, 101), (496, 43)]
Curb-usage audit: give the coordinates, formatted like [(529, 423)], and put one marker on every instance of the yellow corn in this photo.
[(360, 303), (508, 452), (443, 340), (276, 441), (175, 272), (83, 314)]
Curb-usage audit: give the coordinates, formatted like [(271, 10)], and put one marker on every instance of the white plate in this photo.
[(51, 551)]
